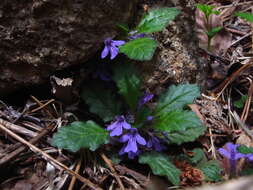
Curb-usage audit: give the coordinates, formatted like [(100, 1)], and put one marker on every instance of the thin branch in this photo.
[(50, 158), (114, 172)]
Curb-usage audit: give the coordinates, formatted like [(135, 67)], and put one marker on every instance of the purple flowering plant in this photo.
[(232, 154), (136, 123), (138, 43)]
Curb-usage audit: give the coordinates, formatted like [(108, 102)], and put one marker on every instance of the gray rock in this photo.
[(43, 36)]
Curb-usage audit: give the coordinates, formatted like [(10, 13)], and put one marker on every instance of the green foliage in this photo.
[(80, 135), (160, 164), (176, 120), (141, 49), (211, 33), (176, 97), (240, 103), (128, 84), (189, 134), (198, 156), (245, 150), (246, 16), (212, 170), (101, 101), (179, 125), (207, 10), (157, 19)]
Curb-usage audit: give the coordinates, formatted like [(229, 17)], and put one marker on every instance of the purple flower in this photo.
[(135, 36), (144, 99), (232, 155), (155, 143), (231, 152), (249, 157), (132, 139), (150, 118), (116, 127), (112, 47)]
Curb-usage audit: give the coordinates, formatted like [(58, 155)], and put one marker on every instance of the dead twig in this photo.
[(50, 158), (110, 165), (246, 108), (242, 125), (18, 129), (73, 180), (231, 78), (34, 140), (42, 106)]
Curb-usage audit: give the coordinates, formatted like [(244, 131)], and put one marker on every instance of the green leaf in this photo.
[(157, 19), (80, 135), (207, 10), (128, 84), (240, 103), (176, 97), (101, 101), (176, 120), (141, 49), (188, 135), (179, 126), (160, 164), (246, 16), (212, 170), (245, 150), (211, 33), (198, 155)]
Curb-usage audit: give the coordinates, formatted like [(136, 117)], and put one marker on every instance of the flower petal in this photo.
[(231, 147), (126, 125), (140, 139), (239, 155), (224, 153), (249, 157), (125, 138), (114, 51), (116, 132), (131, 146), (112, 126), (118, 42), (105, 52)]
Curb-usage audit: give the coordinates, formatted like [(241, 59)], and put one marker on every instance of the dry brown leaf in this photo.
[(220, 42)]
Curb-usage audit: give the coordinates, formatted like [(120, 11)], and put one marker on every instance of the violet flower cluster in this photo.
[(231, 153), (111, 47), (130, 137)]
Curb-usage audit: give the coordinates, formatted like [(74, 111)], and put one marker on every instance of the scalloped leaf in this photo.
[(101, 101), (212, 170), (128, 83), (176, 97), (160, 164), (198, 156), (80, 135), (141, 49), (179, 126), (157, 19)]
